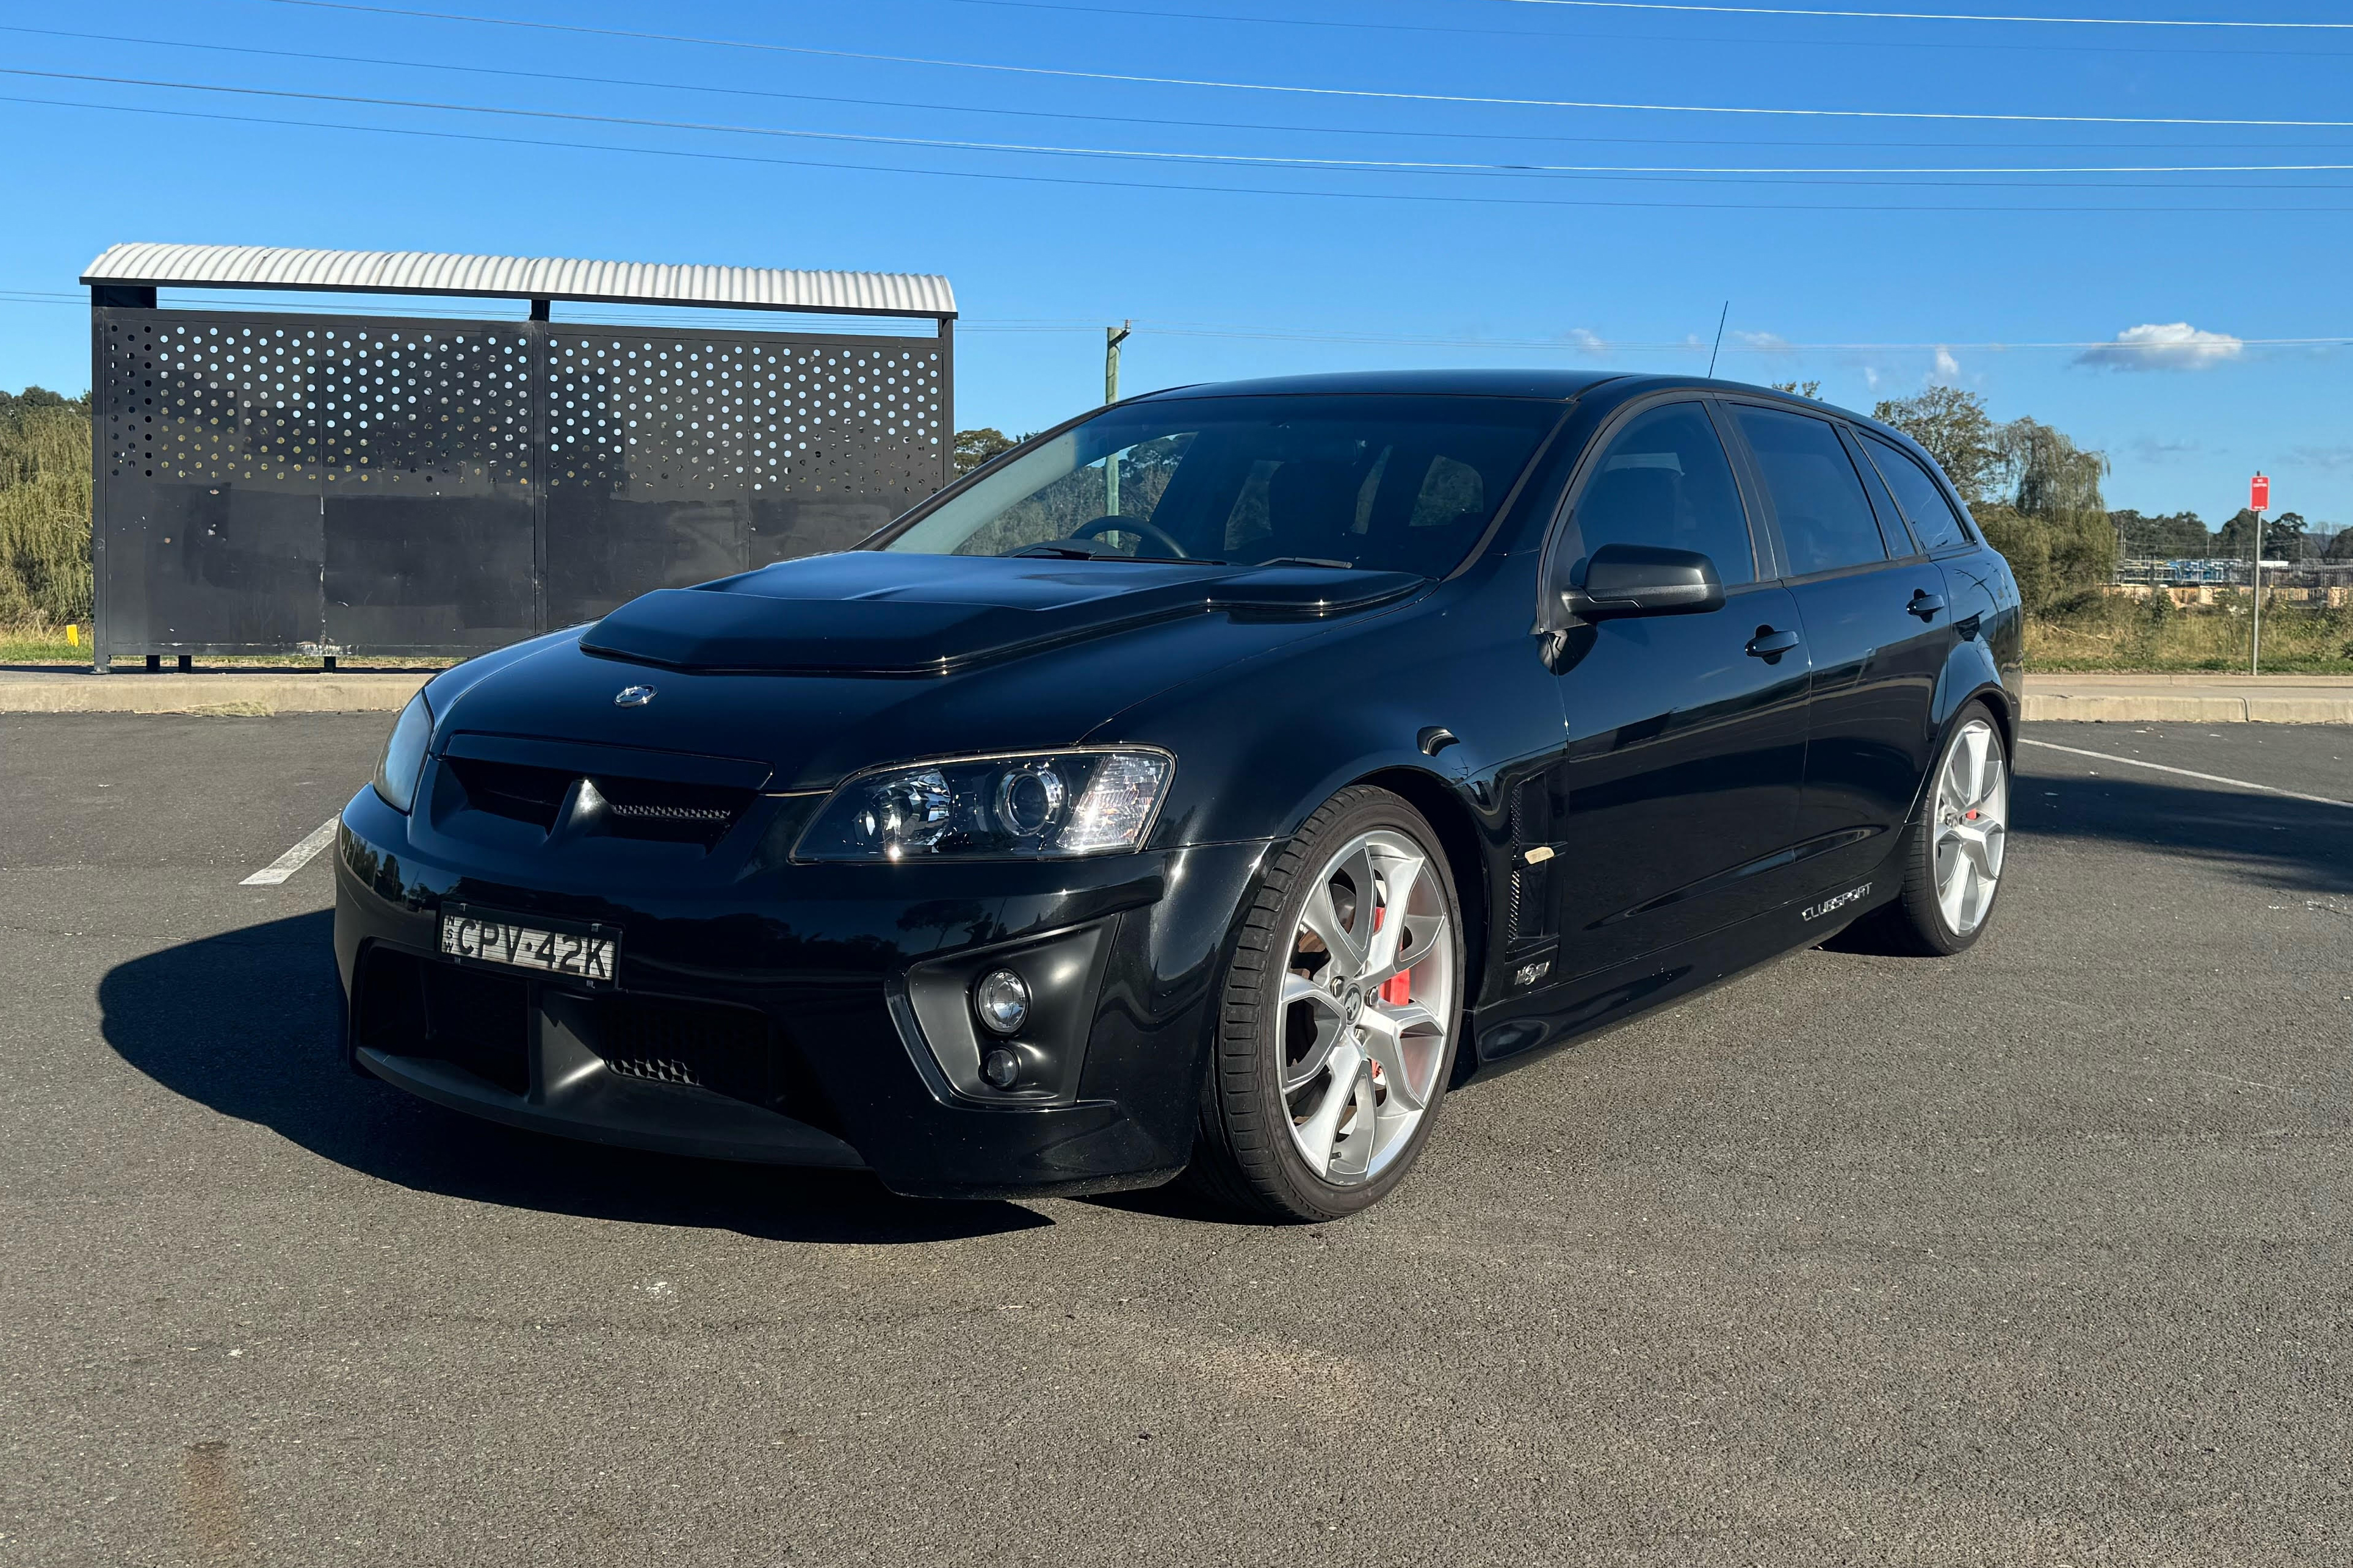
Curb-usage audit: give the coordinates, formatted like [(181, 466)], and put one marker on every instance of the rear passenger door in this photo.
[(1873, 607)]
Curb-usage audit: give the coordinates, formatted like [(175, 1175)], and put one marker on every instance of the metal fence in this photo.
[(2223, 571), (328, 485)]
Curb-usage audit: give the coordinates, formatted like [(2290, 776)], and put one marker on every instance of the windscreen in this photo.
[(1397, 484)]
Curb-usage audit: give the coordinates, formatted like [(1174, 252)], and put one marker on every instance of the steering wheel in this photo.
[(1160, 537)]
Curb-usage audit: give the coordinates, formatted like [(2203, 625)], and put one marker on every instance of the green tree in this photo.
[(42, 397), (2340, 545), (974, 448), (1955, 428), (1802, 389), (2046, 473), (2282, 536), (2051, 524), (2172, 536)]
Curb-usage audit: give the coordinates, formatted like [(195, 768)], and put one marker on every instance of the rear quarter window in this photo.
[(1922, 498)]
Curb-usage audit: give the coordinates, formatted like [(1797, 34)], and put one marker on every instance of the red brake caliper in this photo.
[(1398, 990)]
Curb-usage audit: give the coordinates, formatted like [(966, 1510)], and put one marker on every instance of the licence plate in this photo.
[(582, 953)]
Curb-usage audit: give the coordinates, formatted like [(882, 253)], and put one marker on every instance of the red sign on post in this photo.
[(2259, 493)]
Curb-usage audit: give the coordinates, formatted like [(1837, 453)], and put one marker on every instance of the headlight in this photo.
[(397, 771), (1042, 806)]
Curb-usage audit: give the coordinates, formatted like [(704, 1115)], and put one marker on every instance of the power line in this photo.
[(1755, 175), (1038, 113), (1929, 16), (1383, 95), (1939, 208), (1595, 348), (1356, 24)]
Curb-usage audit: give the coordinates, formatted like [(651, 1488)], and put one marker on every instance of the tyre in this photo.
[(1952, 850), (1341, 1001)]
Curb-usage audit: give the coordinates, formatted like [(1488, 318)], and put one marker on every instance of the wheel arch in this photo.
[(1466, 861), (1998, 701)]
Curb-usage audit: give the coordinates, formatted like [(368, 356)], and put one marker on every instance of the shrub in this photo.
[(45, 496)]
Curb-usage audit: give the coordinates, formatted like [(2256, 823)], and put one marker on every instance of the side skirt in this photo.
[(1513, 1032)]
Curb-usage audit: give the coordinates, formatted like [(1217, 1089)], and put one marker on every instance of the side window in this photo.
[(1922, 498), (1826, 521), (1664, 480)]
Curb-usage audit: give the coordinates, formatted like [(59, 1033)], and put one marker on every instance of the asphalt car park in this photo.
[(2039, 1255)]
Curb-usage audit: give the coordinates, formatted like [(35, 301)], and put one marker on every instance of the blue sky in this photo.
[(1252, 227)]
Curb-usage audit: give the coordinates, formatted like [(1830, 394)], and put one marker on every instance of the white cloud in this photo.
[(2330, 457), (2175, 346), (1871, 377), (2153, 449), (1588, 342), (1762, 342), (1948, 369)]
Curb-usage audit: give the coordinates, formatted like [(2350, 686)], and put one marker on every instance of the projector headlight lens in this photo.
[(1039, 806)]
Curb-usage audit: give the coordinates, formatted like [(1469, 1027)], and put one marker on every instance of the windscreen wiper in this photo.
[(1310, 561), (1056, 551)]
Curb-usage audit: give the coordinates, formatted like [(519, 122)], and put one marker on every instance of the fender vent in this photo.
[(1528, 917)]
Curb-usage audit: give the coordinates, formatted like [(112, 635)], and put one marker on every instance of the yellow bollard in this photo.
[(73, 633)]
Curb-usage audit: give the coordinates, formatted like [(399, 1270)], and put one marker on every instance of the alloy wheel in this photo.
[(1369, 996), (1972, 820)]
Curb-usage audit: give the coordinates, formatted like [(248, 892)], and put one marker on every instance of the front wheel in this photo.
[(1341, 999)]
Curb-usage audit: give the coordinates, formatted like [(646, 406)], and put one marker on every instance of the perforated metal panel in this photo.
[(348, 485), (208, 472), (431, 527), (678, 457)]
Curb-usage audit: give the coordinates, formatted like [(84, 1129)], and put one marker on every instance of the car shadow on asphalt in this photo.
[(245, 1023), (2300, 845)]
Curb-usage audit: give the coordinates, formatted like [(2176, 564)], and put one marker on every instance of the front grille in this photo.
[(671, 813), (512, 790), (405, 1004), (708, 1045), (705, 814), (471, 1018), (640, 808)]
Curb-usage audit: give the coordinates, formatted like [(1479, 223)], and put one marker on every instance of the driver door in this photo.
[(1677, 790)]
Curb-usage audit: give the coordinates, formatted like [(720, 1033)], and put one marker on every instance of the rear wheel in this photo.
[(1341, 1003), (1954, 851)]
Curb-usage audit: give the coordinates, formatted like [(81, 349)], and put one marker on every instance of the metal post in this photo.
[(2255, 645), (1113, 338), (101, 425)]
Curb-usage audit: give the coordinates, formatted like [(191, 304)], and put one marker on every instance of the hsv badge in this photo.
[(633, 696)]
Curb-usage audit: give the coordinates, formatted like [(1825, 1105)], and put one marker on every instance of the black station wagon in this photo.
[(1203, 788)]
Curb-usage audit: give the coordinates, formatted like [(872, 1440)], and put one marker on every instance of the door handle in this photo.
[(1769, 644), (1926, 604)]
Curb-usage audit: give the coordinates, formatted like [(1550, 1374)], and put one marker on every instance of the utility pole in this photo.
[(1113, 338), (2259, 500)]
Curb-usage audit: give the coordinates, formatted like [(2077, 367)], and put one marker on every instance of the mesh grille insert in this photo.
[(634, 807), (708, 1045)]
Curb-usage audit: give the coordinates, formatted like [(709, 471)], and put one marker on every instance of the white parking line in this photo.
[(294, 860), (2185, 773)]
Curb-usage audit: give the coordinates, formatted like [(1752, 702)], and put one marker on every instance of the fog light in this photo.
[(1001, 1068), (1002, 1000)]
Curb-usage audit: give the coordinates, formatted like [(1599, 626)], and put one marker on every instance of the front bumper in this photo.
[(791, 1014)]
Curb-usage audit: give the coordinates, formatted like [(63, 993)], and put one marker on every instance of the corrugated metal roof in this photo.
[(523, 278)]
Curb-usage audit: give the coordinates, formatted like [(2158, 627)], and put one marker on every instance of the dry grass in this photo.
[(2106, 633)]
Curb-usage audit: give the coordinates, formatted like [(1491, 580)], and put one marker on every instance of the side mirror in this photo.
[(1623, 580)]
